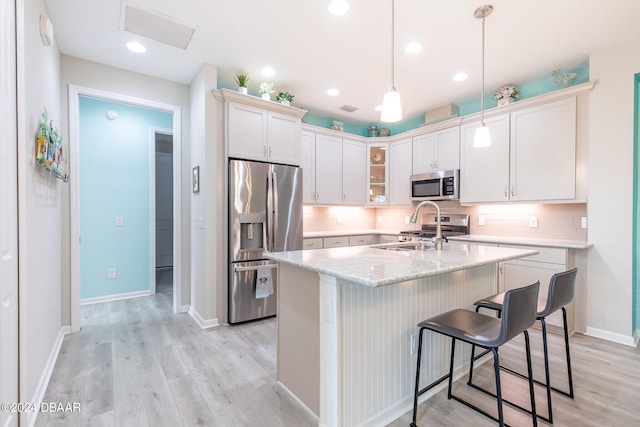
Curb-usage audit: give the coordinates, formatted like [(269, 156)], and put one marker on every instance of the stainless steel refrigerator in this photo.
[(265, 215)]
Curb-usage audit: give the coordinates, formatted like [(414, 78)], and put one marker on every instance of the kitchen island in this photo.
[(347, 322)]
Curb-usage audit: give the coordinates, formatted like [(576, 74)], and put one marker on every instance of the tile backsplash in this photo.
[(554, 221)]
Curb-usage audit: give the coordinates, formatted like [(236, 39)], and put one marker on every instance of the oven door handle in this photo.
[(237, 269)]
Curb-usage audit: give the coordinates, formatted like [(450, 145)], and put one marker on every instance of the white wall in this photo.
[(79, 72), (208, 217), (39, 201), (609, 262)]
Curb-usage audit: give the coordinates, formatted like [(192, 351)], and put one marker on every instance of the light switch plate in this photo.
[(481, 220), (533, 221), (111, 273), (119, 220), (584, 222), (339, 219)]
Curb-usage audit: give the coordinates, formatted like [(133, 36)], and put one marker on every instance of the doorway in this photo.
[(114, 217), (163, 151)]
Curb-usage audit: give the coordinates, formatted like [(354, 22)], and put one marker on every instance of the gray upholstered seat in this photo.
[(561, 292), (518, 314)]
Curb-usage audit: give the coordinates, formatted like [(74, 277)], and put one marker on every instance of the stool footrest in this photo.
[(508, 402)]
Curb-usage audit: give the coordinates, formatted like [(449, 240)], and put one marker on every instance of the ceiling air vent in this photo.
[(348, 108), (157, 27)]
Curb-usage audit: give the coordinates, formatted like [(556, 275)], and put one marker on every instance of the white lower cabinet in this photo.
[(364, 239), (335, 242), (388, 238), (525, 271), (312, 243)]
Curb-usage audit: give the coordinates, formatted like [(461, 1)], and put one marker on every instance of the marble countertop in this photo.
[(549, 243), (371, 266)]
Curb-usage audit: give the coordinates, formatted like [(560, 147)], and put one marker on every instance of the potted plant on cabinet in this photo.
[(242, 79), (265, 90), (284, 98), (506, 95)]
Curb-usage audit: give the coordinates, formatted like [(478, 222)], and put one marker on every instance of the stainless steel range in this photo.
[(451, 224)]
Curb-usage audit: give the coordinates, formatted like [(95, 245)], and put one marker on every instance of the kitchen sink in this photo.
[(409, 246)]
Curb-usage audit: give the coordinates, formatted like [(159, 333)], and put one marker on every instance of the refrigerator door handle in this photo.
[(274, 224), (269, 228)]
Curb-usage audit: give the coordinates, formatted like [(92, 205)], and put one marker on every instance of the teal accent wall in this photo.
[(114, 170), (470, 106), (635, 274)]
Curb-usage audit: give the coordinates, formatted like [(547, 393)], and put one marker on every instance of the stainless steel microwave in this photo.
[(441, 185)]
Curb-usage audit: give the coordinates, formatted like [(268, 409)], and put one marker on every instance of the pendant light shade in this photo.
[(391, 105), (482, 137)]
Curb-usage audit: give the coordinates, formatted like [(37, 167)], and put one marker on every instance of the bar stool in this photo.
[(561, 292), (518, 314)]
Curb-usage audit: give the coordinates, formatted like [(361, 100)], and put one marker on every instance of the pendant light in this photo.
[(391, 106), (482, 137)]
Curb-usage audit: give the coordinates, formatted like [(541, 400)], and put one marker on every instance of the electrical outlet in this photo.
[(481, 220), (533, 221), (407, 219), (379, 218), (111, 273), (413, 344), (584, 222), (119, 220), (339, 219)]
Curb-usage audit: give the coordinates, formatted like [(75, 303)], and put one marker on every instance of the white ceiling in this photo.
[(312, 50)]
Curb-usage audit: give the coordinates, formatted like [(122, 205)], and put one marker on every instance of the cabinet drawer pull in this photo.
[(513, 190)]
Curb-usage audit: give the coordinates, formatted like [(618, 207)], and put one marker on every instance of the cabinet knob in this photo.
[(505, 192)]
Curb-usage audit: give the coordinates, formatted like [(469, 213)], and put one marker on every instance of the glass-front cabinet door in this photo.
[(378, 173)]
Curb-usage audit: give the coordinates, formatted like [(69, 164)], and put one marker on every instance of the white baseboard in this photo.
[(298, 401), (204, 324), (611, 336), (43, 383), (185, 308), (114, 297)]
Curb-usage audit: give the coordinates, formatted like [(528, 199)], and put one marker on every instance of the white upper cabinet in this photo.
[(262, 130), (484, 172), (328, 170), (283, 136), (354, 172), (247, 132), (543, 152), (308, 165), (400, 164), (532, 156), (439, 150)]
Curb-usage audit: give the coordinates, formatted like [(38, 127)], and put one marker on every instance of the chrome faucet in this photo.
[(438, 239)]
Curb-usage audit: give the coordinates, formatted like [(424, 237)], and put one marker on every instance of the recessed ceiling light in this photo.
[(458, 77), (268, 71), (136, 47), (338, 7), (378, 108), (412, 48), (333, 92)]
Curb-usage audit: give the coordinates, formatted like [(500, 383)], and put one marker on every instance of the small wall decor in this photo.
[(195, 179), (49, 150), (564, 79)]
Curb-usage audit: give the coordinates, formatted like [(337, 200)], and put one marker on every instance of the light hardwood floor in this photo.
[(135, 363)]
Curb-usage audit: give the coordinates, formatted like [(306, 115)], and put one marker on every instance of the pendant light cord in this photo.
[(482, 88), (393, 43)]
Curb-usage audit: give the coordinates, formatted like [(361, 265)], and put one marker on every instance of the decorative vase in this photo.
[(285, 102), (242, 89), (266, 96), (504, 101)]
